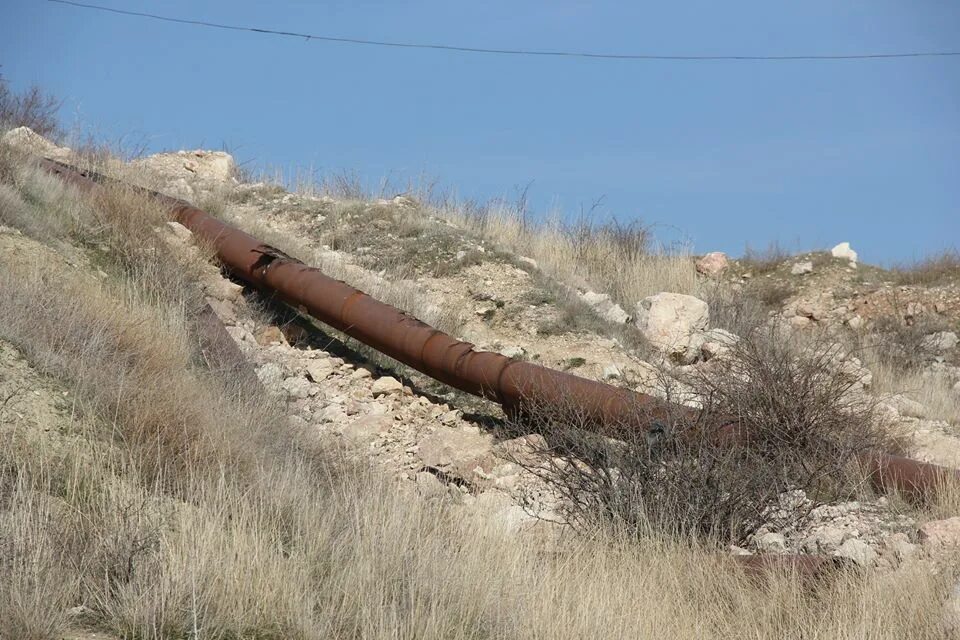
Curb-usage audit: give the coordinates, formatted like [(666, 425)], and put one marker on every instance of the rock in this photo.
[(612, 372), (429, 486), (180, 232), (222, 289), (938, 536), (858, 551), (712, 263), (907, 407), (811, 310), (271, 334), (771, 543), (901, 548), (404, 202), (182, 171), (844, 251), (529, 261), (224, 309), (801, 268), (604, 307), (824, 540), (270, 375), (522, 450), (320, 370), (386, 385), (615, 313), (913, 310), (297, 387), (457, 451), (855, 322), (514, 352), (956, 388), (485, 311), (365, 429), (717, 343), (940, 341), (25, 139), (362, 373), (673, 323), (800, 322)]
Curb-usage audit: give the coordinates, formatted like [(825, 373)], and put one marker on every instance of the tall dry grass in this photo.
[(623, 261)]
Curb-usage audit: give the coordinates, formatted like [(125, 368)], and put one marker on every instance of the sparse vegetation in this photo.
[(764, 261), (689, 474), (930, 271), (172, 502), (32, 108)]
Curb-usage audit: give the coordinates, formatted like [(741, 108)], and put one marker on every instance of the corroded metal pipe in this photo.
[(514, 384)]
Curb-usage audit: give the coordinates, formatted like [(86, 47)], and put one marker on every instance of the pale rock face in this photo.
[(858, 551), (513, 352), (802, 268), (940, 341), (604, 307), (25, 139), (674, 323), (844, 251), (457, 451), (772, 542), (938, 536), (712, 263), (386, 386), (182, 173)]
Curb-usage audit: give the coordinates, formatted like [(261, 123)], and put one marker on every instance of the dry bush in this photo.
[(933, 270), (32, 108), (800, 424), (763, 261)]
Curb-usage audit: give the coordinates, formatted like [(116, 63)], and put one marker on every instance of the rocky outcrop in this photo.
[(713, 263), (673, 323), (187, 174), (845, 252)]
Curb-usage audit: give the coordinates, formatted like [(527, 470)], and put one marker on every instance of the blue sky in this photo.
[(723, 154)]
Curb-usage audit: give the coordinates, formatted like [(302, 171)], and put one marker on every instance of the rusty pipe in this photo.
[(512, 383)]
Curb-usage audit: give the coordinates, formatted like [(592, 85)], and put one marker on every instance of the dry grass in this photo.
[(174, 504), (933, 270), (619, 260)]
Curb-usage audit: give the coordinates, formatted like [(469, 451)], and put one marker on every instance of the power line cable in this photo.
[(512, 52)]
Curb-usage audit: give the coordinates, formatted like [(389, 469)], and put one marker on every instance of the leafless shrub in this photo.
[(33, 108), (772, 418)]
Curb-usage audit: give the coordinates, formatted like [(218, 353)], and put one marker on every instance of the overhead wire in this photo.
[(511, 52)]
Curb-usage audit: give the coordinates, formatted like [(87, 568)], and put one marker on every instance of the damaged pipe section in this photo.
[(516, 385)]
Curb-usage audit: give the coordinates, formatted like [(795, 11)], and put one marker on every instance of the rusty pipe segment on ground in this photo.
[(512, 383)]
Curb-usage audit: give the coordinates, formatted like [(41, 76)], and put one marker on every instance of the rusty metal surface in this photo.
[(513, 384), (912, 478), (807, 566)]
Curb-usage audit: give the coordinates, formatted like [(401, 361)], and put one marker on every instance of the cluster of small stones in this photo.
[(867, 533)]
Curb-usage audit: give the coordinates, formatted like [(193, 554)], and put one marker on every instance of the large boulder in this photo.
[(186, 174), (712, 263), (844, 251), (25, 139), (940, 341), (674, 324)]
